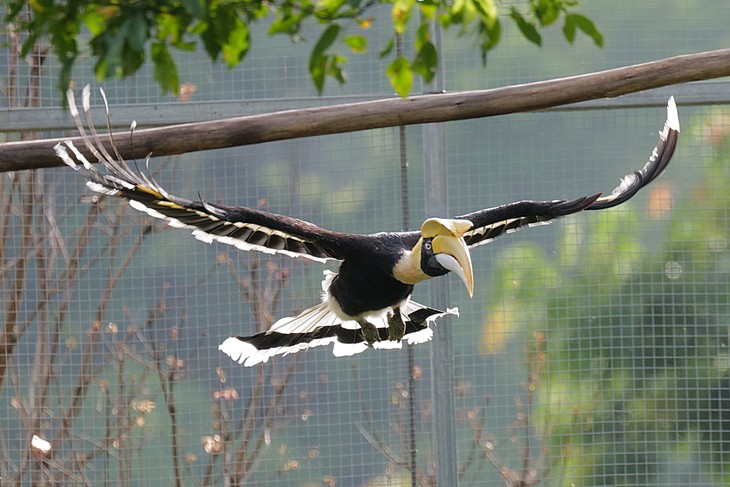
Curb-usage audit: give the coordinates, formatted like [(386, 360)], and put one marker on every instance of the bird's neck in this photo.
[(407, 268)]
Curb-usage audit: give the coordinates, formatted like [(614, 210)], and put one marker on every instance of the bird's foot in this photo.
[(369, 332), (396, 327)]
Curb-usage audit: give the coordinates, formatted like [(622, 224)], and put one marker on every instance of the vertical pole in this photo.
[(442, 360), (406, 211)]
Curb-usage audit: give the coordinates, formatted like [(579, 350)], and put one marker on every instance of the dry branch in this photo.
[(442, 107)]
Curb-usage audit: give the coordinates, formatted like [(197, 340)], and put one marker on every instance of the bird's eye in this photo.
[(427, 246)]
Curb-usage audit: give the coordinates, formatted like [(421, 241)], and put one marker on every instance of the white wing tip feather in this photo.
[(348, 349), (86, 98), (625, 183), (71, 97), (672, 114), (146, 209), (79, 155), (389, 344), (62, 153), (100, 188), (240, 351), (103, 97), (421, 336)]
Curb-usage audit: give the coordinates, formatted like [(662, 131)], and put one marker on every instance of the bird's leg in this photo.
[(396, 327), (369, 332)]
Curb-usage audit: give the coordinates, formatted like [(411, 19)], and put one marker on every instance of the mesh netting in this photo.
[(594, 351)]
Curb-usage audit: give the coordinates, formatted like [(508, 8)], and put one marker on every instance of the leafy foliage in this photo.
[(125, 34)]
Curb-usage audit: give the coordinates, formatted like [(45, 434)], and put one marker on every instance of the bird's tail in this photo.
[(318, 325)]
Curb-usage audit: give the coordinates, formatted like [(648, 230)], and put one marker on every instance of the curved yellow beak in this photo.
[(450, 249), (453, 254)]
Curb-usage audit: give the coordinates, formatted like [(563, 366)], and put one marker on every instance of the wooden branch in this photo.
[(179, 139)]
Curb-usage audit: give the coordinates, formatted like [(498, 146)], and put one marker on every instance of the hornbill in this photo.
[(367, 303)]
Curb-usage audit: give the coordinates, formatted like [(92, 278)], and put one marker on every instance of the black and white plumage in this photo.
[(367, 303)]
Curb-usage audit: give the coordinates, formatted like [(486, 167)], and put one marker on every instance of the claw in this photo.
[(369, 332), (396, 327)]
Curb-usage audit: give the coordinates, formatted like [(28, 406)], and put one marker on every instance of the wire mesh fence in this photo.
[(594, 351)]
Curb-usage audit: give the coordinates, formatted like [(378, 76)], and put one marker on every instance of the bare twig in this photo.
[(40, 372), (9, 336), (262, 443), (253, 433), (532, 470), (373, 437), (167, 377), (14, 50), (85, 376), (7, 188), (168, 367), (263, 299)]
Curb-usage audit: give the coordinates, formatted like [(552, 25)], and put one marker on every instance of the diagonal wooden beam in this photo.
[(351, 117)]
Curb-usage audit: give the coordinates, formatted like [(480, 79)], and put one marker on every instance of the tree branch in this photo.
[(351, 117)]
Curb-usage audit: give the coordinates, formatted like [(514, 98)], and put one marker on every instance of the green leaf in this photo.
[(491, 34), (317, 70), (527, 28), (165, 71), (400, 75), (329, 7), (326, 40), (318, 60), (547, 11), (423, 35), (137, 31), (186, 46), (569, 29), (120, 49), (237, 44), (195, 7), (446, 20), (487, 10), (94, 21), (358, 43), (585, 25), (218, 24), (334, 68), (327, 65), (426, 62), (286, 23), (428, 11), (167, 26), (388, 48), (457, 10), (401, 14)]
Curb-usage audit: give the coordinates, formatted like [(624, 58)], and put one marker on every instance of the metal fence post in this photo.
[(442, 362)]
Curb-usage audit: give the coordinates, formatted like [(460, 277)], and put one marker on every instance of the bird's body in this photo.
[(367, 303), (365, 283)]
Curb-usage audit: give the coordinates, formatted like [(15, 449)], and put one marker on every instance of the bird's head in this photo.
[(442, 249)]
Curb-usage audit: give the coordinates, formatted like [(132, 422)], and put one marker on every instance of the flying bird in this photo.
[(367, 302)]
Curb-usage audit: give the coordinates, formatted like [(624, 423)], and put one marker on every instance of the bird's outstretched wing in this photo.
[(242, 227), (492, 222)]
